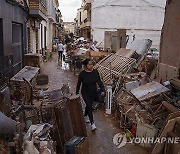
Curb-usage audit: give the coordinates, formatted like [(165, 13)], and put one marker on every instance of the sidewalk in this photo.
[(100, 141)]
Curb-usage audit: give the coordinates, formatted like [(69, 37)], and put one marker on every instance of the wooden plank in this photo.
[(27, 72), (169, 126), (64, 122), (170, 107), (77, 117)]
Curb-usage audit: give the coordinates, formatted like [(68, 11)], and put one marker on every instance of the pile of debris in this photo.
[(77, 51), (142, 106), (34, 121)]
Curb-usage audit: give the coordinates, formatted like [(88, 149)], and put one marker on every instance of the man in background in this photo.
[(60, 50)]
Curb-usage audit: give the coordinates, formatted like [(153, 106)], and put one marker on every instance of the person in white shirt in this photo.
[(60, 50)]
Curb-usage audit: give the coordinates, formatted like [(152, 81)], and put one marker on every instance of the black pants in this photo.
[(89, 99), (60, 53)]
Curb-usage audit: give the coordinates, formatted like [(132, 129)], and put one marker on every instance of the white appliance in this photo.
[(108, 99)]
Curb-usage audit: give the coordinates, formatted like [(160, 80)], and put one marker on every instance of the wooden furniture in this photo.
[(113, 66), (77, 117), (18, 87), (34, 60), (66, 115)]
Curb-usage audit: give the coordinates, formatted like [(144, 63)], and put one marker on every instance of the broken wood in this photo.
[(169, 107)]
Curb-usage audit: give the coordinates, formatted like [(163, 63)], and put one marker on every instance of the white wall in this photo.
[(49, 35), (44, 24), (144, 18)]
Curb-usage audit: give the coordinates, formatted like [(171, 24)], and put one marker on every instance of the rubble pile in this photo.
[(142, 106), (41, 124)]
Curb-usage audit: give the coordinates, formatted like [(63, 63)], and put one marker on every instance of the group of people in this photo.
[(61, 47)]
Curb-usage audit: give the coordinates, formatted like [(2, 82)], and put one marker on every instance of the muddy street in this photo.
[(100, 141)]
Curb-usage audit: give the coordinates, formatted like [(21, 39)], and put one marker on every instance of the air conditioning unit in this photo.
[(108, 99)]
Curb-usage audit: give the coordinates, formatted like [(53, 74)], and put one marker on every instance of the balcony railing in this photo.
[(38, 8)]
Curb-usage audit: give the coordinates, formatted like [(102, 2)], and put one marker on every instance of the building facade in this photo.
[(13, 36), (83, 20), (169, 63), (69, 27), (52, 23), (26, 26), (44, 23), (86, 23), (140, 19), (37, 26)]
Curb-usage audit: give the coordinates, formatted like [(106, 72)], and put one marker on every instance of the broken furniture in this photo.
[(17, 83), (42, 81), (144, 110), (65, 114), (170, 129), (33, 60), (77, 55), (149, 90), (141, 47), (112, 67)]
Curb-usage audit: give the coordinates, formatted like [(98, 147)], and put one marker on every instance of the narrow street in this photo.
[(100, 141), (89, 77)]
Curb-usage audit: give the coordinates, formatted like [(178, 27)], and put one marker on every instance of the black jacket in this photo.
[(89, 81)]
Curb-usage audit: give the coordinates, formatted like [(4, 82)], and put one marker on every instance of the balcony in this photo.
[(86, 24), (87, 4), (38, 9)]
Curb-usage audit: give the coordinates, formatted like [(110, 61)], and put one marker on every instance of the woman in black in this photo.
[(89, 78)]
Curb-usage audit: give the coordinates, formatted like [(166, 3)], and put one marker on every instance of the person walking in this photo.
[(60, 50), (89, 78)]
